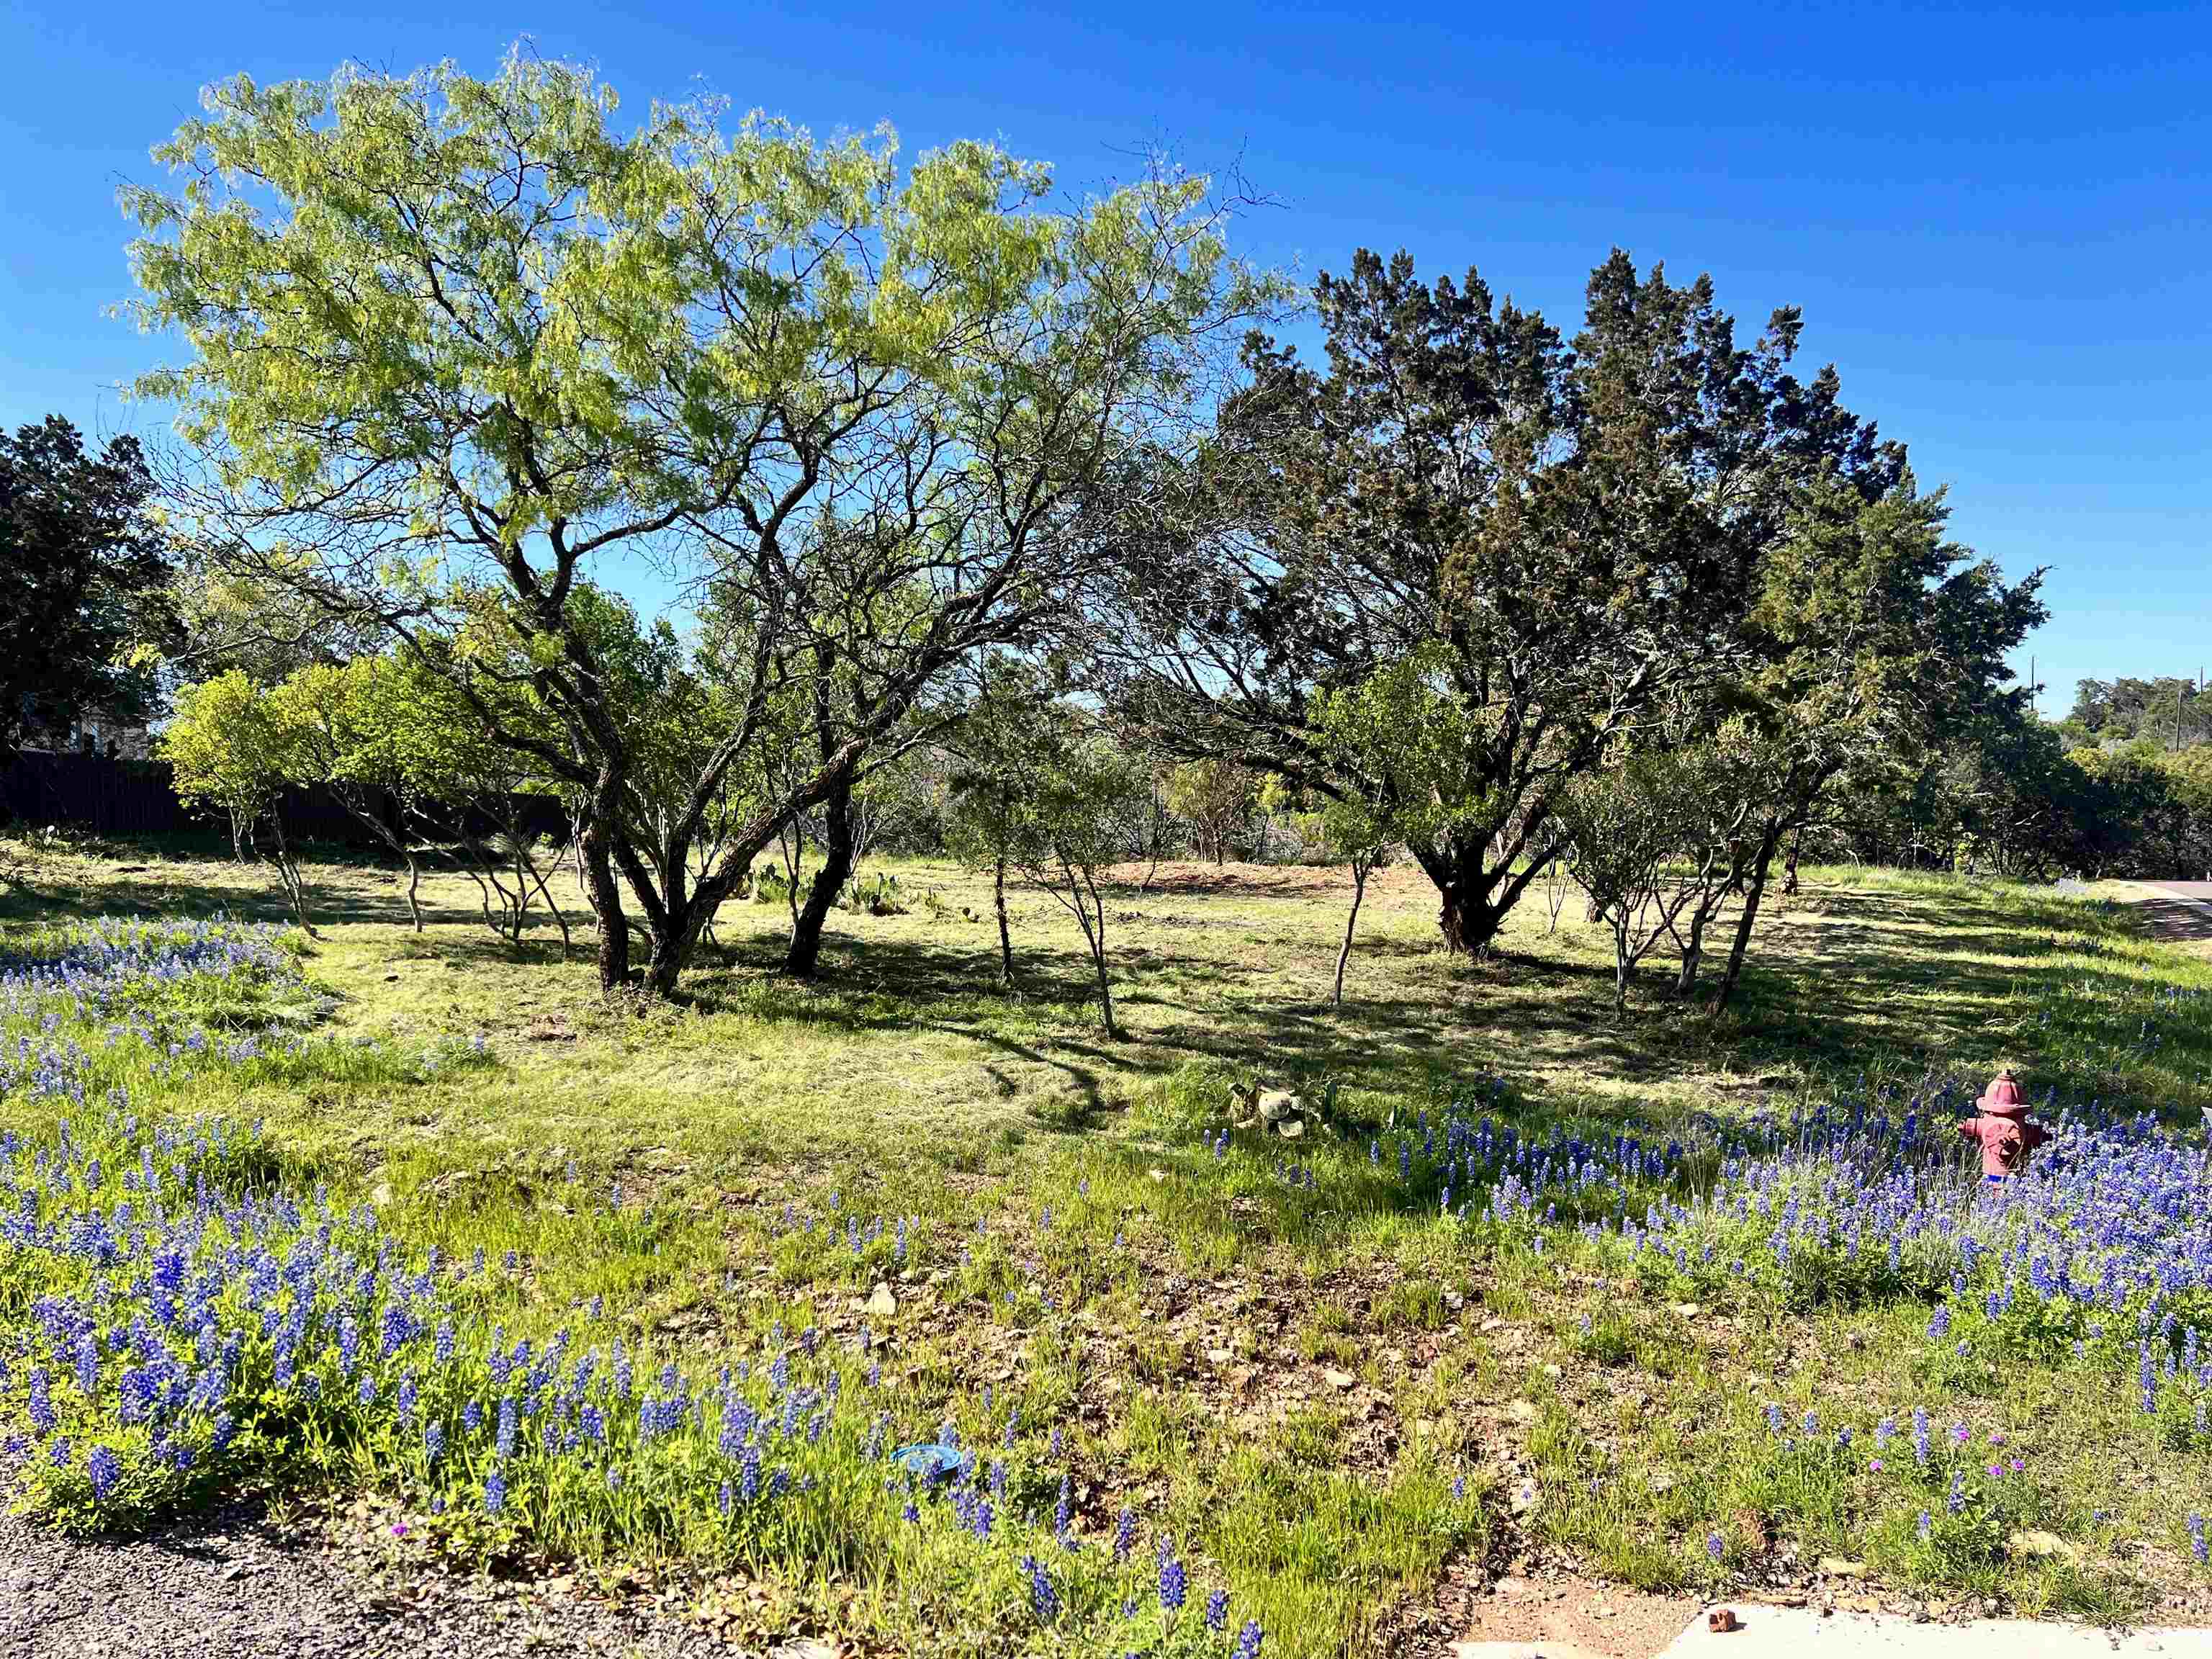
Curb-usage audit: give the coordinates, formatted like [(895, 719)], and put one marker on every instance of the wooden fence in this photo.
[(128, 798)]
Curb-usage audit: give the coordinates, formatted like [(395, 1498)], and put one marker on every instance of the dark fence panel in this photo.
[(126, 798)]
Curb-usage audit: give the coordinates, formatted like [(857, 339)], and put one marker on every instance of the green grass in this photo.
[(1204, 1309)]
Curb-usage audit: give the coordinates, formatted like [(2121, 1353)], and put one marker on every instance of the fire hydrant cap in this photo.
[(2003, 1096)]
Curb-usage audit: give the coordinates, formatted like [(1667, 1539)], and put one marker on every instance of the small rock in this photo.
[(1836, 1566), (1220, 1356), (1291, 1128), (1520, 1411), (2041, 1543), (381, 1195), (881, 1304), (1337, 1379)]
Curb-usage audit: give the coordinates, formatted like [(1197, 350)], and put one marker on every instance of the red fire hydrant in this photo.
[(2006, 1135)]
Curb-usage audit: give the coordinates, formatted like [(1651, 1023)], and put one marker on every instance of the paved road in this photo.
[(1809, 1633), (2178, 912)]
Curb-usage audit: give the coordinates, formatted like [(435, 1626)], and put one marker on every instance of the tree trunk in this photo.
[(288, 873), (1474, 900), (528, 861), (598, 872), (804, 955), (1359, 868), (1685, 982), (1767, 843), (413, 883), (1789, 864), (1092, 915), (1005, 938)]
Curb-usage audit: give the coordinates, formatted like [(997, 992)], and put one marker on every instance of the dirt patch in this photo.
[(1194, 878), (1566, 1610)]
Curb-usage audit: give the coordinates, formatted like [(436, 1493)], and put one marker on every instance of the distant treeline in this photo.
[(2171, 712)]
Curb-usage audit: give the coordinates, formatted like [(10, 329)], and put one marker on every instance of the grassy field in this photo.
[(1310, 1372)]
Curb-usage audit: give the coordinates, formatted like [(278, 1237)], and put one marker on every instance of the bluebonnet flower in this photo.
[(1217, 1610), (1174, 1584), (1125, 1534), (495, 1492), (1043, 1597), (1715, 1547), (1247, 1641), (105, 1470)]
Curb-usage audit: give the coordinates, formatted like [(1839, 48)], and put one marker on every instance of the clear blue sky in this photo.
[(1998, 221)]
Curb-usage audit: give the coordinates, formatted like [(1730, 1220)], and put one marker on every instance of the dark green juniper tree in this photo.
[(1561, 533), (83, 579)]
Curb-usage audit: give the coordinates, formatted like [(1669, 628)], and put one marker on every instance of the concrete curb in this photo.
[(1806, 1632), (1773, 1632)]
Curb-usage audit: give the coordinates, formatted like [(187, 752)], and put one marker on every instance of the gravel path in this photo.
[(229, 1585)]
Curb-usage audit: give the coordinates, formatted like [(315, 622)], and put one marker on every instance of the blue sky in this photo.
[(1998, 221)]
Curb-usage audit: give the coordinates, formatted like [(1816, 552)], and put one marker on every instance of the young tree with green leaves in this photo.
[(453, 336), (229, 744), (1628, 830), (1215, 797), (1085, 813), (354, 730), (1359, 836), (1003, 747), (1869, 636)]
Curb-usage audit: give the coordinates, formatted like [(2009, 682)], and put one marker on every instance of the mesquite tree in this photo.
[(454, 333)]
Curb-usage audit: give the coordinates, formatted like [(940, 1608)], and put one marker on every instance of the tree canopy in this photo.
[(84, 576), (455, 342)]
